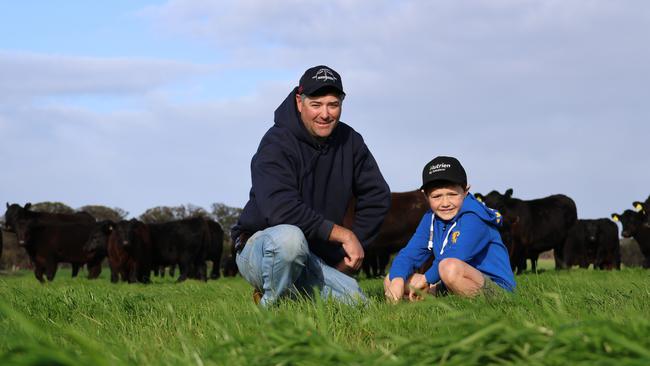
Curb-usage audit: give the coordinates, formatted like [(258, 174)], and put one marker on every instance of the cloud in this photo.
[(541, 96), (36, 75)]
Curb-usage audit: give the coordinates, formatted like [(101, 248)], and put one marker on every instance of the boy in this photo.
[(460, 232)]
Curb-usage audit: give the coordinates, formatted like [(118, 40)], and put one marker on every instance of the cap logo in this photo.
[(438, 168), (324, 75)]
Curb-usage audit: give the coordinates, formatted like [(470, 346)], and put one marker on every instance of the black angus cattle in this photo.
[(406, 211), (183, 243), (50, 243), (16, 213), (593, 242), (531, 227), (215, 248), (400, 222), (0, 243), (97, 244), (130, 252), (633, 226)]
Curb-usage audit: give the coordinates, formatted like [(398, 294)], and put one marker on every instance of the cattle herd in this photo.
[(136, 250)]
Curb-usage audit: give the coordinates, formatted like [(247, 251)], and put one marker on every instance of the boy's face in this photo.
[(446, 201)]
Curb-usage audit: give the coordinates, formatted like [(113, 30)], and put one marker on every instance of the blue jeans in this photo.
[(277, 261)]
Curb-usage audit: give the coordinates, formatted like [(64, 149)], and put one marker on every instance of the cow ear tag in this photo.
[(615, 218), (478, 199), (638, 207)]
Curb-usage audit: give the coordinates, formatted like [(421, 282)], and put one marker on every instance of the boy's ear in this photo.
[(467, 189)]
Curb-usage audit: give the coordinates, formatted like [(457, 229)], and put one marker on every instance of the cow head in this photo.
[(126, 232), (643, 208), (630, 220), (15, 213), (98, 240), (22, 228)]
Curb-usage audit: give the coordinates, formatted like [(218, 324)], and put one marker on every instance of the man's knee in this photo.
[(450, 269), (291, 244)]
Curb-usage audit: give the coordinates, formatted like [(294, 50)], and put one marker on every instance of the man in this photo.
[(308, 168)]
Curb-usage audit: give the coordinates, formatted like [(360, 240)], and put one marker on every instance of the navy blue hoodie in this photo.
[(298, 181)]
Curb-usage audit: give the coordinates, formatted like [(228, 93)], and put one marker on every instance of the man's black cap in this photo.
[(319, 77), (444, 168)]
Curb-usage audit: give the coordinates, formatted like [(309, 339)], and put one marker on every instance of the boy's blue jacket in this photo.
[(471, 236)]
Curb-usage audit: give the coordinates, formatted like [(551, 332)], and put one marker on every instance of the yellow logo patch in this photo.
[(454, 236)]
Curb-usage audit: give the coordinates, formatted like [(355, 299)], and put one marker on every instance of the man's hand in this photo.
[(353, 250)]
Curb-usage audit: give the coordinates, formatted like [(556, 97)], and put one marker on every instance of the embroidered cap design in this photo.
[(324, 75)]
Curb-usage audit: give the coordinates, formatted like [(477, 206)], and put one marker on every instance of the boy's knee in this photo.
[(450, 269), (386, 281)]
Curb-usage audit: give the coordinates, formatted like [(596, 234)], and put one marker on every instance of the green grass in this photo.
[(555, 318)]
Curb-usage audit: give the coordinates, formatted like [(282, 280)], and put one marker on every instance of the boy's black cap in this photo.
[(444, 168), (319, 77)]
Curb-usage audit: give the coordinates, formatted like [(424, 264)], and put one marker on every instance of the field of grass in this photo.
[(555, 318)]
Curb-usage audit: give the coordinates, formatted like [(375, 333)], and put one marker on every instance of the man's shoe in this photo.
[(257, 296)]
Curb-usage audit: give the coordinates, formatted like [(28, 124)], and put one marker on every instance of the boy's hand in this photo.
[(417, 284), (395, 290)]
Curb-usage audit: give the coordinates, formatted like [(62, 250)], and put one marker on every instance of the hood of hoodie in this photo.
[(287, 116), (489, 215)]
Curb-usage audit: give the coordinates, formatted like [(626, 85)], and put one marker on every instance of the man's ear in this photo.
[(299, 103)]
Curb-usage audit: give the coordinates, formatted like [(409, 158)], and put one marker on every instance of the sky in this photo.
[(137, 104)]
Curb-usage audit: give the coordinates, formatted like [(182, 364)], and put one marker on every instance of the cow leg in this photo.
[(216, 266), (50, 270), (172, 270), (38, 272), (94, 270), (182, 268), (114, 276), (384, 257), (75, 269)]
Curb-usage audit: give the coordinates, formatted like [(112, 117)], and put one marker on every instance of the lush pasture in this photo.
[(556, 318)]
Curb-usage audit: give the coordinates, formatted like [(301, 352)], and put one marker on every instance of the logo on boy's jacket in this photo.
[(454, 236)]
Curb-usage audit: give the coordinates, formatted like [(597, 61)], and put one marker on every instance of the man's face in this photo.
[(319, 114), (446, 201)]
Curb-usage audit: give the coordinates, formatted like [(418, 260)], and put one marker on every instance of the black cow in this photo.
[(533, 226), (634, 226), (130, 252), (593, 242), (406, 211), (97, 244), (0, 243), (401, 220), (16, 213), (181, 242), (215, 248), (50, 243)]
